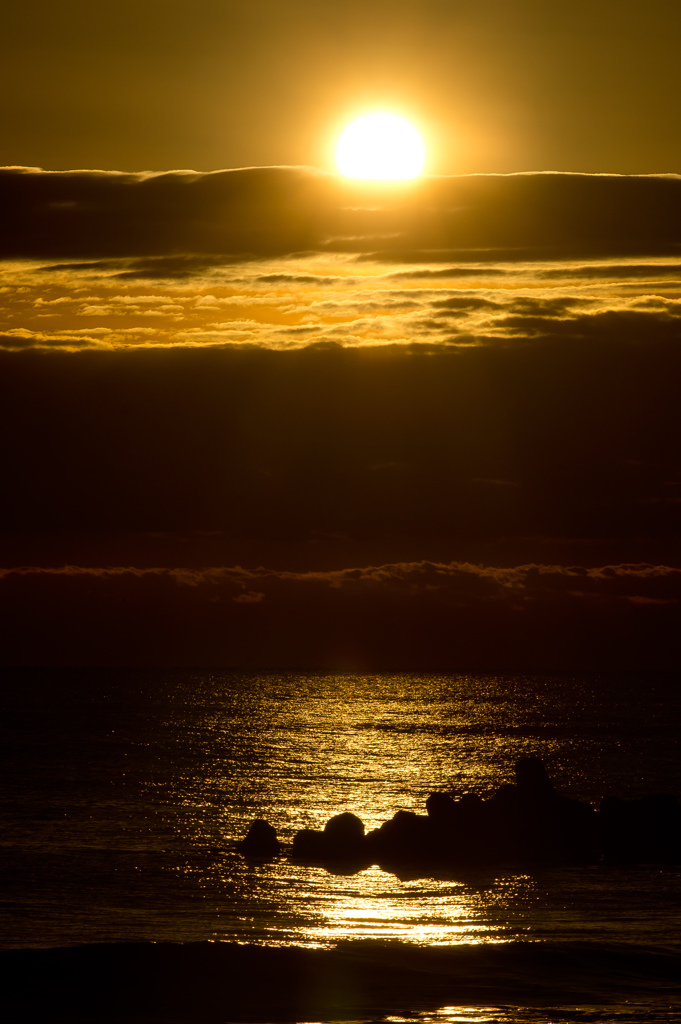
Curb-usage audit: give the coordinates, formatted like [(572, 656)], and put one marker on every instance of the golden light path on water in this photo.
[(420, 911), (373, 746), (456, 1015), (320, 909), (298, 749), (502, 1015)]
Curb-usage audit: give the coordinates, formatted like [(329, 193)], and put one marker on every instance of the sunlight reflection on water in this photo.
[(616, 1014), (297, 749), (129, 798), (375, 905), (313, 907)]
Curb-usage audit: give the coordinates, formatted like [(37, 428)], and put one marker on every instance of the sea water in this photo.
[(124, 794)]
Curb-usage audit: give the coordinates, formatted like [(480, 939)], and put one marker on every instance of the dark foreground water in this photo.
[(124, 900)]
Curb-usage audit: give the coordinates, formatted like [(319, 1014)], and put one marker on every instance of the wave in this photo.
[(159, 983)]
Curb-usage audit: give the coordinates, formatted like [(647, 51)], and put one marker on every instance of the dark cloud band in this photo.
[(278, 211), (420, 615)]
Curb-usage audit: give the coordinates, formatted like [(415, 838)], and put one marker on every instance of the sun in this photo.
[(380, 146)]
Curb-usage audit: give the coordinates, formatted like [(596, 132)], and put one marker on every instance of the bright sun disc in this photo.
[(380, 146)]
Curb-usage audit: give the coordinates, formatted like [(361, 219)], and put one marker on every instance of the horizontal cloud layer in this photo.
[(423, 615), (574, 437), (545, 422), (327, 299), (278, 211), (212, 369)]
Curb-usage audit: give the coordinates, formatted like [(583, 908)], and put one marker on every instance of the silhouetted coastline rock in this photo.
[(441, 808), (526, 821), (260, 841), (532, 779), (344, 831), (309, 846), (342, 842), (404, 838)]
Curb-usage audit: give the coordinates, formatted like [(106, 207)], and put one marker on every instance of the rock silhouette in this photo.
[(342, 841), (260, 841), (527, 821)]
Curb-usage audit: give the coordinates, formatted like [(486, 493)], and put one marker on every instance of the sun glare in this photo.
[(380, 146)]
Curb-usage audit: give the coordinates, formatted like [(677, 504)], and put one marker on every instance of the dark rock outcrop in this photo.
[(342, 842), (406, 837), (309, 847), (260, 841), (532, 779), (523, 822), (344, 835)]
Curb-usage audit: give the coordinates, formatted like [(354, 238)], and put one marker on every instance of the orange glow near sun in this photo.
[(382, 147)]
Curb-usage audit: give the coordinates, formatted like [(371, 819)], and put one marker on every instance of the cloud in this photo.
[(488, 437), (610, 326), (410, 614), (583, 417), (356, 314), (314, 279), (421, 272), (256, 213), (276, 298), (613, 581), (608, 271), (22, 338), (464, 303), (554, 307)]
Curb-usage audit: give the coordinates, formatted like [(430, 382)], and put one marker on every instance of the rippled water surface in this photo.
[(617, 1014), (125, 793)]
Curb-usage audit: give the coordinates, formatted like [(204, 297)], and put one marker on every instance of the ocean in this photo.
[(125, 793)]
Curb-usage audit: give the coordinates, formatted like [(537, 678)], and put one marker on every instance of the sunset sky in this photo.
[(495, 85), (258, 415)]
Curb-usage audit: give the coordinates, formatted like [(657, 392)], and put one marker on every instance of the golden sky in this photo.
[(270, 417), (494, 86)]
